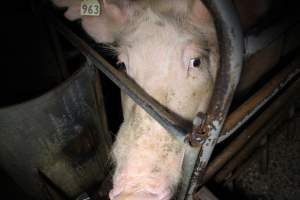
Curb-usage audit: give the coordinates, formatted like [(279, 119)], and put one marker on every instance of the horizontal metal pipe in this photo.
[(237, 144), (243, 113), (257, 40), (171, 122), (252, 145)]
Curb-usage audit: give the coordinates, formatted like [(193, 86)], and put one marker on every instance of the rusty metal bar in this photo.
[(243, 113), (171, 122), (258, 40), (237, 144)]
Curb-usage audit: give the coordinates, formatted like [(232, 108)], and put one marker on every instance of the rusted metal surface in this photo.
[(230, 40), (237, 144), (243, 113)]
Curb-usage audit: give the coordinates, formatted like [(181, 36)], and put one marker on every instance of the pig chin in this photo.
[(148, 161)]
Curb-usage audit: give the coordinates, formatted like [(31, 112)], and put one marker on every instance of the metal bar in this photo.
[(231, 46), (172, 123), (258, 40), (243, 113), (255, 141), (237, 144)]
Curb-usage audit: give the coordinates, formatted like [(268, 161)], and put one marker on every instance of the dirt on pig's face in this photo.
[(169, 48)]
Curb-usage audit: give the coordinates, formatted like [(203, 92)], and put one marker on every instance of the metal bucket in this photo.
[(56, 145)]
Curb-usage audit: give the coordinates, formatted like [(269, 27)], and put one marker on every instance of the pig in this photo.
[(170, 49)]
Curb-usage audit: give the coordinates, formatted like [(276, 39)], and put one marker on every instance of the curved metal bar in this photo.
[(231, 48)]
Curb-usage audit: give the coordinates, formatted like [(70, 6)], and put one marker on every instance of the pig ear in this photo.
[(104, 28), (73, 8), (199, 14), (107, 27)]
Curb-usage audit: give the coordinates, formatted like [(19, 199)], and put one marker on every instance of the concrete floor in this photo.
[(281, 180)]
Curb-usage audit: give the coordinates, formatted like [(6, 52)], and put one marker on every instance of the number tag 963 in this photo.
[(90, 8)]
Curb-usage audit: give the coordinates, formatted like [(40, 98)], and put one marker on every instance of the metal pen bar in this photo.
[(172, 123), (237, 144), (244, 112)]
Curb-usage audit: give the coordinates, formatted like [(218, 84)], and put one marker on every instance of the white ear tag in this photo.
[(90, 8)]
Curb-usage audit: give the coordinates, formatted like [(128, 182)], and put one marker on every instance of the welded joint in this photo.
[(202, 129), (199, 134)]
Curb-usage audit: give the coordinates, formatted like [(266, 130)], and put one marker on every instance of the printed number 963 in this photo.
[(89, 8)]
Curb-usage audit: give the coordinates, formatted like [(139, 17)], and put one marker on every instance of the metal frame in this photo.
[(207, 126)]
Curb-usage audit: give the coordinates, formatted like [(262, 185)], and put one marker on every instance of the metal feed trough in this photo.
[(214, 126)]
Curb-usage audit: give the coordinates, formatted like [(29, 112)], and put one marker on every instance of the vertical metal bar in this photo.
[(231, 46)]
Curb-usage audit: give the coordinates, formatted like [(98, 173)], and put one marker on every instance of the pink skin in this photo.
[(160, 57)]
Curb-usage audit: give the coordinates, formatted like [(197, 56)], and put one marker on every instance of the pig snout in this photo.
[(142, 196), (148, 161), (162, 192), (134, 186)]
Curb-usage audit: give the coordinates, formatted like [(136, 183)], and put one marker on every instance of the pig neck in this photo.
[(148, 158)]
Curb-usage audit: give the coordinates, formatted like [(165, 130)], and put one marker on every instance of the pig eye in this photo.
[(121, 66), (195, 62)]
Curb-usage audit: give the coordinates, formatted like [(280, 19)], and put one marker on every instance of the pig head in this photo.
[(169, 48)]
